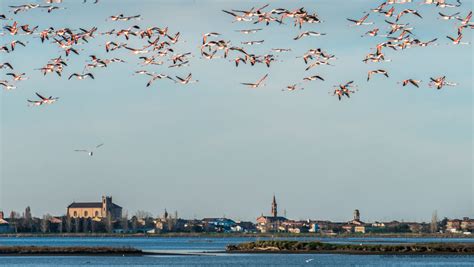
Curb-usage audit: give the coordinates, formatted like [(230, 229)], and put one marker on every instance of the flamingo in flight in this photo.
[(258, 83), (361, 21), (42, 100), (411, 81), (379, 71)]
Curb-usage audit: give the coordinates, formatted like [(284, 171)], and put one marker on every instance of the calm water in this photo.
[(213, 244)]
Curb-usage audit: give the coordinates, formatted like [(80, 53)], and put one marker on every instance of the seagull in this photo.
[(43, 100), (379, 71), (89, 152), (258, 83), (81, 76)]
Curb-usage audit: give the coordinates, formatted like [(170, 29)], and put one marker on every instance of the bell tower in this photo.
[(356, 215), (106, 205), (274, 207)]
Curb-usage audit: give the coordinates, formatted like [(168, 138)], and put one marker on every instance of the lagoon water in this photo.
[(199, 244)]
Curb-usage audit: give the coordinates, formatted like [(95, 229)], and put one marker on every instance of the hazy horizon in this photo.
[(215, 147)]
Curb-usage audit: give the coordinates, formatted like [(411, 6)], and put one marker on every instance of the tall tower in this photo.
[(274, 207), (106, 205), (356, 215)]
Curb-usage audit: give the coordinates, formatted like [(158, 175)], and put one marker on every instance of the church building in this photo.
[(96, 210), (270, 223)]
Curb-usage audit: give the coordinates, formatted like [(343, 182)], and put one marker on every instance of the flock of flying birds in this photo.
[(159, 44)]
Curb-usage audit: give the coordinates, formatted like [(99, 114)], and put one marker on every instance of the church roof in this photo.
[(86, 205), (90, 205), (272, 218)]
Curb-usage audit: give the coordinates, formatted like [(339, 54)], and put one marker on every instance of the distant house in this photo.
[(218, 224), (415, 227), (243, 226), (314, 228), (378, 224), (467, 224), (359, 229), (453, 226), (97, 210), (4, 225), (347, 228)]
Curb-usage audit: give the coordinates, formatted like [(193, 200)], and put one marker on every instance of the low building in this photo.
[(243, 226), (347, 228), (97, 210), (378, 224), (467, 224), (4, 225), (218, 224), (313, 228), (453, 226)]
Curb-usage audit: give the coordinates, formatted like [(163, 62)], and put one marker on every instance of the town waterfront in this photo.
[(214, 245)]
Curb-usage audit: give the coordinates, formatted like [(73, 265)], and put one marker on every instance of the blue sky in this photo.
[(217, 148)]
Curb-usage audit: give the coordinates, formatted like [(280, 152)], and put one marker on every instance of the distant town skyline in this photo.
[(217, 147)]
